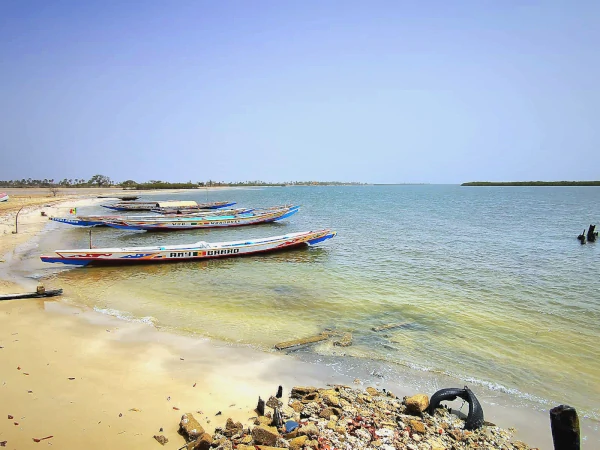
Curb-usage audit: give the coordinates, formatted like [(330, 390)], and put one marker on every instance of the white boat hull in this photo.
[(197, 251)]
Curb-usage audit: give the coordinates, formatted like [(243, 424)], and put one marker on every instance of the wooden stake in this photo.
[(260, 407)]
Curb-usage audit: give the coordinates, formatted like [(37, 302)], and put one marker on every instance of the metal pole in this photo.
[(90, 238)]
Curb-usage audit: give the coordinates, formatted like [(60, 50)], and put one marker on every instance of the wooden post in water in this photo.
[(565, 428), (90, 238)]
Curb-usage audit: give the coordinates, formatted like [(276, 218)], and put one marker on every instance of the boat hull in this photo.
[(192, 252), (208, 222), (150, 206), (3, 197), (98, 221)]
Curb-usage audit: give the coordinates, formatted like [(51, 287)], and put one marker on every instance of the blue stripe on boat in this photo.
[(286, 215), (321, 239), (73, 262)]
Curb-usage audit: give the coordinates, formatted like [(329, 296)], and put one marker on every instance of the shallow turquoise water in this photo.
[(490, 281)]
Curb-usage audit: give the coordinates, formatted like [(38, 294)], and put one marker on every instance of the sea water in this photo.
[(489, 283)]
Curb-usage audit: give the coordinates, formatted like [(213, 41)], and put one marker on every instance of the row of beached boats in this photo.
[(188, 221), (170, 216)]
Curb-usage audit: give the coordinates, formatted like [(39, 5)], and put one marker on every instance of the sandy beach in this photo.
[(94, 381)]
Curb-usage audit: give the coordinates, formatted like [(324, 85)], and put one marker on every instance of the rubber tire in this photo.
[(474, 419)]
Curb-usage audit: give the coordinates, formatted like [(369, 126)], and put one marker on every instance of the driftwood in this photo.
[(308, 340), (389, 326), (39, 294), (565, 428)]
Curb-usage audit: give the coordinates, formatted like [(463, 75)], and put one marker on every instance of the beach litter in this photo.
[(342, 417)]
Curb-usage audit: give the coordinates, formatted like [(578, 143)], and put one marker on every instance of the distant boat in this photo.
[(3, 197), (125, 198), (149, 206), (194, 252), (217, 221)]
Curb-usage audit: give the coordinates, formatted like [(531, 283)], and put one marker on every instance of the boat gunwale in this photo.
[(191, 247)]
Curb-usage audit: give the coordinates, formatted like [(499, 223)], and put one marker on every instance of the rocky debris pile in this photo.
[(342, 417)]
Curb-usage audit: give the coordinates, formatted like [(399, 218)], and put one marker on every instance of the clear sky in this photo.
[(373, 91)]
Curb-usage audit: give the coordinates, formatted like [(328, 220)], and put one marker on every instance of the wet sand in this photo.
[(93, 381)]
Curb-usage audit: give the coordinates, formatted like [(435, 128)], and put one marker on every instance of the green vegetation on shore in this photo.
[(104, 181), (532, 183)]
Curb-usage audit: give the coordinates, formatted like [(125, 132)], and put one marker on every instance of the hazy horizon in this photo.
[(376, 92)]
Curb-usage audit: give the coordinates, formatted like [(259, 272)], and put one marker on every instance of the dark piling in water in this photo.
[(565, 428), (592, 234)]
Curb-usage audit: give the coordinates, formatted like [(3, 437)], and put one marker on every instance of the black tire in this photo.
[(474, 419)]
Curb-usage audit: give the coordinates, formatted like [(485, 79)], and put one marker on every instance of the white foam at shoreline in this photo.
[(126, 316)]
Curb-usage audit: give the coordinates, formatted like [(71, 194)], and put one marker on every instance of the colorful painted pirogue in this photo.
[(236, 220), (3, 196), (197, 251), (194, 210), (100, 220), (149, 206)]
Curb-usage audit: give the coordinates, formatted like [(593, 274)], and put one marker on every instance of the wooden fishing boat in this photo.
[(3, 196), (198, 251), (251, 218), (194, 210), (50, 293), (149, 206), (125, 198), (101, 220)]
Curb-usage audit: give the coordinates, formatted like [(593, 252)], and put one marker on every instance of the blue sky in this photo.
[(378, 91)]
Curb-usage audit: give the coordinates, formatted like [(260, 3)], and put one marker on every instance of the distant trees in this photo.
[(129, 184), (100, 181), (104, 181), (532, 183)]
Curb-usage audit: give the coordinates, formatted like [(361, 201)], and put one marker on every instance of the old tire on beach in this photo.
[(475, 417)]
